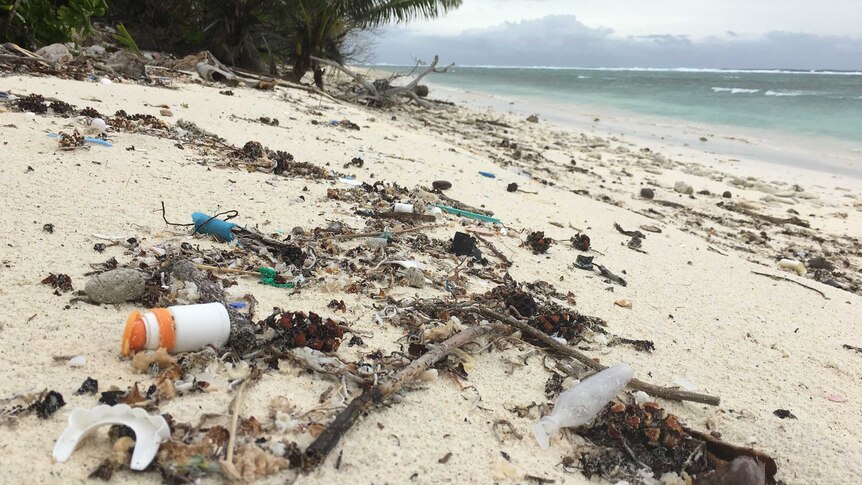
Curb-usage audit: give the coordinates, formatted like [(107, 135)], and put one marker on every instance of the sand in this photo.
[(760, 344)]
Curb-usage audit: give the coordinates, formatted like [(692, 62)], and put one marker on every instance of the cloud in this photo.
[(562, 40)]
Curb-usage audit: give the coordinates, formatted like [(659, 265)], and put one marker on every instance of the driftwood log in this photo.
[(382, 94)]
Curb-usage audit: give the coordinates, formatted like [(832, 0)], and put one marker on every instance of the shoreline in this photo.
[(694, 283), (777, 149)]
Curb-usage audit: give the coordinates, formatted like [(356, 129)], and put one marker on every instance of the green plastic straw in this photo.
[(471, 215)]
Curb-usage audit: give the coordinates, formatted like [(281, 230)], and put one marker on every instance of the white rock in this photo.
[(641, 397), (683, 188)]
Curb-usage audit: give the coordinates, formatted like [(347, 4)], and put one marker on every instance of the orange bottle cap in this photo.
[(167, 331), (135, 335)]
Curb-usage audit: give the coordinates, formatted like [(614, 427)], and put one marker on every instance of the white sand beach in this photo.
[(758, 343)]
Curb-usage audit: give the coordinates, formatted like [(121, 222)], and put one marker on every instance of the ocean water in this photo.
[(808, 103)]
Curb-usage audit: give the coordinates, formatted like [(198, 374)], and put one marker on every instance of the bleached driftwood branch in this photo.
[(386, 95)]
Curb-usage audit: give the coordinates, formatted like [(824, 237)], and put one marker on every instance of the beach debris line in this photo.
[(636, 437)]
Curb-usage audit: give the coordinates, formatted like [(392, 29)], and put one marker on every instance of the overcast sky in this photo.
[(799, 34)]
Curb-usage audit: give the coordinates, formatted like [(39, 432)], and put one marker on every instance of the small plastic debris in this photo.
[(647, 193), (465, 245), (214, 74), (441, 185), (48, 404), (471, 215), (837, 398), (350, 181), (793, 265), (116, 286), (89, 386), (270, 277), (487, 174), (179, 328), (403, 208), (98, 141), (77, 361), (150, 431), (205, 224), (580, 404), (584, 262)]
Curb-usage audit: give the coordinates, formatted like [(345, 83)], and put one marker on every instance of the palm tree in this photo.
[(320, 26)]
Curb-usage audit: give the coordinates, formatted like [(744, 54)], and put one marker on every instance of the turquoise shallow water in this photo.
[(819, 104)]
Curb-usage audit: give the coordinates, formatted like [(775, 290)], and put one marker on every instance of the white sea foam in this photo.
[(735, 90), (786, 93), (651, 69)]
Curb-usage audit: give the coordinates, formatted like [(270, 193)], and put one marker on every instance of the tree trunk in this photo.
[(300, 66)]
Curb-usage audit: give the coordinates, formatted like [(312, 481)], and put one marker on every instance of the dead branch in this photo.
[(327, 441), (651, 389), (386, 95), (779, 278)]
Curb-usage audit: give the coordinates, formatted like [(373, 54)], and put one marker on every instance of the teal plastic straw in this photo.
[(471, 215)]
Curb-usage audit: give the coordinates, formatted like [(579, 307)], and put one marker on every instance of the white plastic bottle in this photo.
[(580, 404), (179, 328)]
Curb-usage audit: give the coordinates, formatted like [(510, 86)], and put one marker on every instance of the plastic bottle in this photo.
[(580, 404), (400, 207), (180, 328), (205, 224)]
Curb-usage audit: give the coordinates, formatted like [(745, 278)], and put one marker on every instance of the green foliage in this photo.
[(41, 22), (124, 37)]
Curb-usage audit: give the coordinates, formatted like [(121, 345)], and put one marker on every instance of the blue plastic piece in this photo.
[(488, 174), (237, 305), (98, 141), (216, 227)]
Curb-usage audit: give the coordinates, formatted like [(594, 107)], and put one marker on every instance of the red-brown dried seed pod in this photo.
[(618, 407), (299, 340), (653, 434), (671, 422), (652, 406), (316, 344)]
